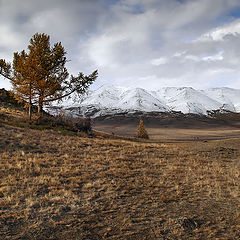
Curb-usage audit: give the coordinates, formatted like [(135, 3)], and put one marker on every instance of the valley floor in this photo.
[(70, 187), (173, 129), (164, 134)]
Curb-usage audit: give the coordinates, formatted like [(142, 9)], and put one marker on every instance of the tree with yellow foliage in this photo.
[(39, 76), (141, 131)]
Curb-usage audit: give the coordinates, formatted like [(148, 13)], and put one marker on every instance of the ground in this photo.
[(173, 133), (173, 126), (70, 187)]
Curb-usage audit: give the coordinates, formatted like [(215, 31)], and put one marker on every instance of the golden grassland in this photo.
[(70, 187)]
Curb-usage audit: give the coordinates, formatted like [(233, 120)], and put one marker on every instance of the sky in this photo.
[(133, 43)]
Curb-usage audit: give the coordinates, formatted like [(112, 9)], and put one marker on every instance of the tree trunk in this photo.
[(40, 106), (30, 104), (30, 111)]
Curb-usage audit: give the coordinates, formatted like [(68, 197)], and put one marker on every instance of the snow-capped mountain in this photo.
[(110, 100)]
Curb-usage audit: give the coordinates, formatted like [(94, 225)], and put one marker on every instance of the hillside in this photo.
[(15, 114), (66, 187)]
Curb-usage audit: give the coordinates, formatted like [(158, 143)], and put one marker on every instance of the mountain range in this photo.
[(110, 100)]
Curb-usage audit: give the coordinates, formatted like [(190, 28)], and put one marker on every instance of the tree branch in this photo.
[(5, 69), (77, 84)]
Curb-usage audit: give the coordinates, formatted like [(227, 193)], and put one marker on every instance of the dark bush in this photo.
[(77, 124)]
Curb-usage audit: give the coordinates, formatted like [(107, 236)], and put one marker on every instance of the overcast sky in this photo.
[(144, 43)]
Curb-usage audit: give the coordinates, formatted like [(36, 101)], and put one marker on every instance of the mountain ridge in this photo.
[(110, 100)]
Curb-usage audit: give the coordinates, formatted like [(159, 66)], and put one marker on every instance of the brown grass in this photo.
[(163, 133), (67, 187)]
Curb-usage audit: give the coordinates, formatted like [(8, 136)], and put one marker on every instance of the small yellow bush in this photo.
[(141, 131)]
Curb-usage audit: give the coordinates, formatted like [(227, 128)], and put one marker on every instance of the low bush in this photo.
[(141, 131), (67, 123)]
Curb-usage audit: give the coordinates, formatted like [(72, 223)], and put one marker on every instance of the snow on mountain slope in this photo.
[(123, 98), (103, 97), (187, 100), (109, 100), (140, 99), (228, 97)]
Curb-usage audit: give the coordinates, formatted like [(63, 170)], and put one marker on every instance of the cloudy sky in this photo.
[(145, 43)]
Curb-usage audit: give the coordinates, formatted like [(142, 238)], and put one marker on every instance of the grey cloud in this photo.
[(123, 38)]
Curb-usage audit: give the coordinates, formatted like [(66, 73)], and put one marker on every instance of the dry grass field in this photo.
[(173, 133), (165, 127), (70, 187)]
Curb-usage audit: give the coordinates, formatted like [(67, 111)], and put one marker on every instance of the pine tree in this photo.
[(50, 72), (141, 131), (23, 79), (39, 76)]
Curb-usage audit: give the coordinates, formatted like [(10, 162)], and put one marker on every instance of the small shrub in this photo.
[(74, 124), (66, 123), (141, 131)]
